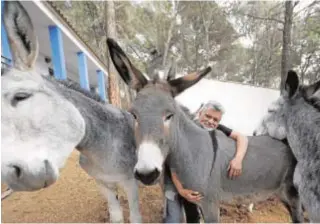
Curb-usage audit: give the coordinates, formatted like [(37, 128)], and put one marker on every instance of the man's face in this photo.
[(210, 118)]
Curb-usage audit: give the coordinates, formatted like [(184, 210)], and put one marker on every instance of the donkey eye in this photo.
[(168, 117), (134, 115), (20, 96)]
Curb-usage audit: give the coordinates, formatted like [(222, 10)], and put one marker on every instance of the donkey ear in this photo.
[(180, 84), (130, 75), (22, 39), (312, 91), (292, 83)]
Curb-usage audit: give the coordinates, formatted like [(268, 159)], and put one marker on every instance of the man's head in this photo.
[(210, 114)]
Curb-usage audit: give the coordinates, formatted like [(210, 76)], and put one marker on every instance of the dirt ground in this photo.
[(75, 198)]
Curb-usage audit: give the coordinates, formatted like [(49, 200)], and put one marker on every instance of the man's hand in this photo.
[(190, 195), (235, 168)]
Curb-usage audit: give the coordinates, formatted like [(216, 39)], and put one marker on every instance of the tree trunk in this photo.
[(169, 36), (286, 43), (184, 47), (206, 34), (255, 66), (113, 90), (197, 54), (167, 44)]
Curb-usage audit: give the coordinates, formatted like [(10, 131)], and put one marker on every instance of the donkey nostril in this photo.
[(50, 176), (47, 165), (136, 174), (17, 171)]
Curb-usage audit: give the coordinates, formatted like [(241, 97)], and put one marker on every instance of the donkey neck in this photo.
[(104, 123), (303, 125)]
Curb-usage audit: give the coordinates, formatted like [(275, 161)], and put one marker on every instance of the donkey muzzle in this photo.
[(21, 177), (148, 178)]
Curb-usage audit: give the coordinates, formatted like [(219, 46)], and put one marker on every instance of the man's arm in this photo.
[(189, 195), (176, 181), (241, 140), (235, 167), (242, 144)]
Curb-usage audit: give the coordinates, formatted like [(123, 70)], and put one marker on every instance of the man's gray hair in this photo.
[(211, 104)]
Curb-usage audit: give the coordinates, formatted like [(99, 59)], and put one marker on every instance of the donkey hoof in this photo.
[(116, 220), (136, 219), (116, 217)]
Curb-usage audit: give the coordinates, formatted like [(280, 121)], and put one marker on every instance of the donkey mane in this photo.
[(316, 103), (76, 87), (186, 111), (158, 83)]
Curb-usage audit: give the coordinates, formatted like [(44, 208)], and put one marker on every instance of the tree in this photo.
[(253, 42), (286, 44)]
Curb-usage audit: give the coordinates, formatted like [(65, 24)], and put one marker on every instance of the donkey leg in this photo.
[(110, 192), (131, 188), (210, 211), (290, 198)]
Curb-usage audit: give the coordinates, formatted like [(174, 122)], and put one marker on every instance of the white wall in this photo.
[(245, 105)]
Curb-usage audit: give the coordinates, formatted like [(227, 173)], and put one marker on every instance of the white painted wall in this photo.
[(245, 105)]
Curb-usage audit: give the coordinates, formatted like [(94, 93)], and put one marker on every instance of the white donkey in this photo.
[(43, 120)]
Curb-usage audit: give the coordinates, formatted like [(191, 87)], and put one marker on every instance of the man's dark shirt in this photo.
[(227, 131)]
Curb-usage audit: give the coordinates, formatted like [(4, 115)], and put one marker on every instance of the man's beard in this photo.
[(208, 128), (203, 126)]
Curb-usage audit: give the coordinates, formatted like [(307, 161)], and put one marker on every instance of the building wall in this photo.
[(245, 105)]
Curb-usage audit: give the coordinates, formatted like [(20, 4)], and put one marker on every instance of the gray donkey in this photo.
[(164, 131), (295, 116), (43, 120)]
